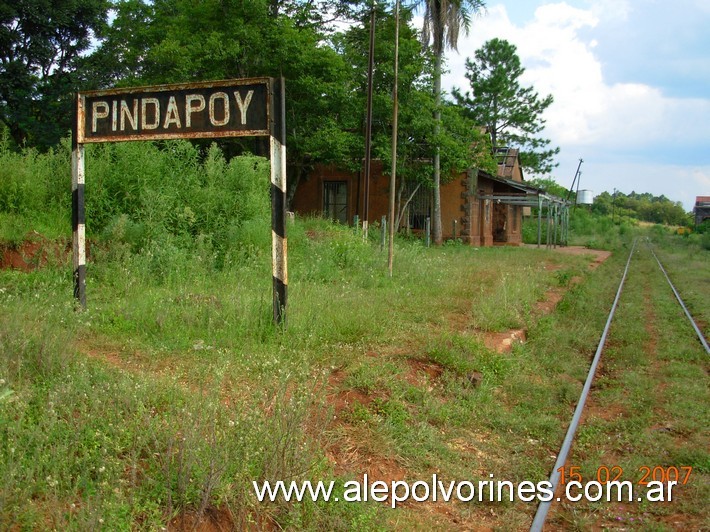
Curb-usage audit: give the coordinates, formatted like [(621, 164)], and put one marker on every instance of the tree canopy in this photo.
[(511, 112), (41, 47), (642, 207), (645, 207), (49, 49), (443, 21)]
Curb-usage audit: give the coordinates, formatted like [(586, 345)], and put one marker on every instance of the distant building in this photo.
[(477, 208), (702, 209)]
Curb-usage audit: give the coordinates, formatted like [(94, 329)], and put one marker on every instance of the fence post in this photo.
[(539, 221), (427, 230), (556, 220)]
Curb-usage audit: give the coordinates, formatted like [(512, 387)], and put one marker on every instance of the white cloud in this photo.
[(586, 109), (632, 136), (676, 182), (617, 10)]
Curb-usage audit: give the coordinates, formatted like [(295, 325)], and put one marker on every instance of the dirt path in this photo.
[(352, 452)]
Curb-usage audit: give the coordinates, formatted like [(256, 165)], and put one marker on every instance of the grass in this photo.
[(174, 391), (141, 378), (647, 405)]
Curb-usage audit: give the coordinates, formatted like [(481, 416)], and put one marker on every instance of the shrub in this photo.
[(142, 196)]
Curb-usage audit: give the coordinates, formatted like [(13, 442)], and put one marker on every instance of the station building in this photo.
[(701, 209), (478, 208)]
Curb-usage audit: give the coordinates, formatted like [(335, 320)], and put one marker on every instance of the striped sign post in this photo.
[(78, 223), (214, 109), (278, 199)]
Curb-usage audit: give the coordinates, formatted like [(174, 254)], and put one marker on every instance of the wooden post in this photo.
[(555, 220), (427, 230), (395, 119), (368, 126), (278, 200), (539, 221), (78, 224)]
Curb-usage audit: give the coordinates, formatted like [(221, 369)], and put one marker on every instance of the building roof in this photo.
[(506, 158), (523, 193), (702, 199)]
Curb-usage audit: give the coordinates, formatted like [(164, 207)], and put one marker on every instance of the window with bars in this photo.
[(335, 200), (419, 207)]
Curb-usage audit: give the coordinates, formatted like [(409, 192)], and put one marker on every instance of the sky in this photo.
[(631, 87)]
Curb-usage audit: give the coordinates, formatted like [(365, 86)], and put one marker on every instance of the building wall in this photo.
[(453, 199), (308, 198), (459, 202), (515, 227), (476, 222), (702, 209)]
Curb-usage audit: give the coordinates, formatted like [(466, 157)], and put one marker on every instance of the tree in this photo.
[(512, 113), (168, 41), (457, 139), (443, 20), (41, 45), (550, 186)]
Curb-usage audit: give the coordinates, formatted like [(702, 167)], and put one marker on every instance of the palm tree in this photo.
[(443, 19)]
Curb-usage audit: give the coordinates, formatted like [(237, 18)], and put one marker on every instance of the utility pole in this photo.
[(395, 109), (368, 124), (576, 175)]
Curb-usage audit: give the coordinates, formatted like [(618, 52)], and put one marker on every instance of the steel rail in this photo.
[(544, 506), (701, 337)]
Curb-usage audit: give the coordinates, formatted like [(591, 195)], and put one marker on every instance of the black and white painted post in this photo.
[(78, 222), (278, 198), (213, 109), (539, 220)]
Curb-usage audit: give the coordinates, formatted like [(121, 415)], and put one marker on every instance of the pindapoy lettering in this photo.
[(196, 110)]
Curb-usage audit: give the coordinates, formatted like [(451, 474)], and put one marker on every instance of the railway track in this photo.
[(562, 456)]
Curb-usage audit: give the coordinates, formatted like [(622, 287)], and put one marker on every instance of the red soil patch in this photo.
[(343, 400), (552, 298), (350, 454), (423, 372), (459, 321), (211, 520), (599, 255), (351, 460), (502, 342), (33, 254), (108, 354), (386, 469)]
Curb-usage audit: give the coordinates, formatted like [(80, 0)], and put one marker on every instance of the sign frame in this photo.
[(116, 109), (268, 113)]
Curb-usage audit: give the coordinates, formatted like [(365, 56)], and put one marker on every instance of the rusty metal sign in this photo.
[(231, 108)]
